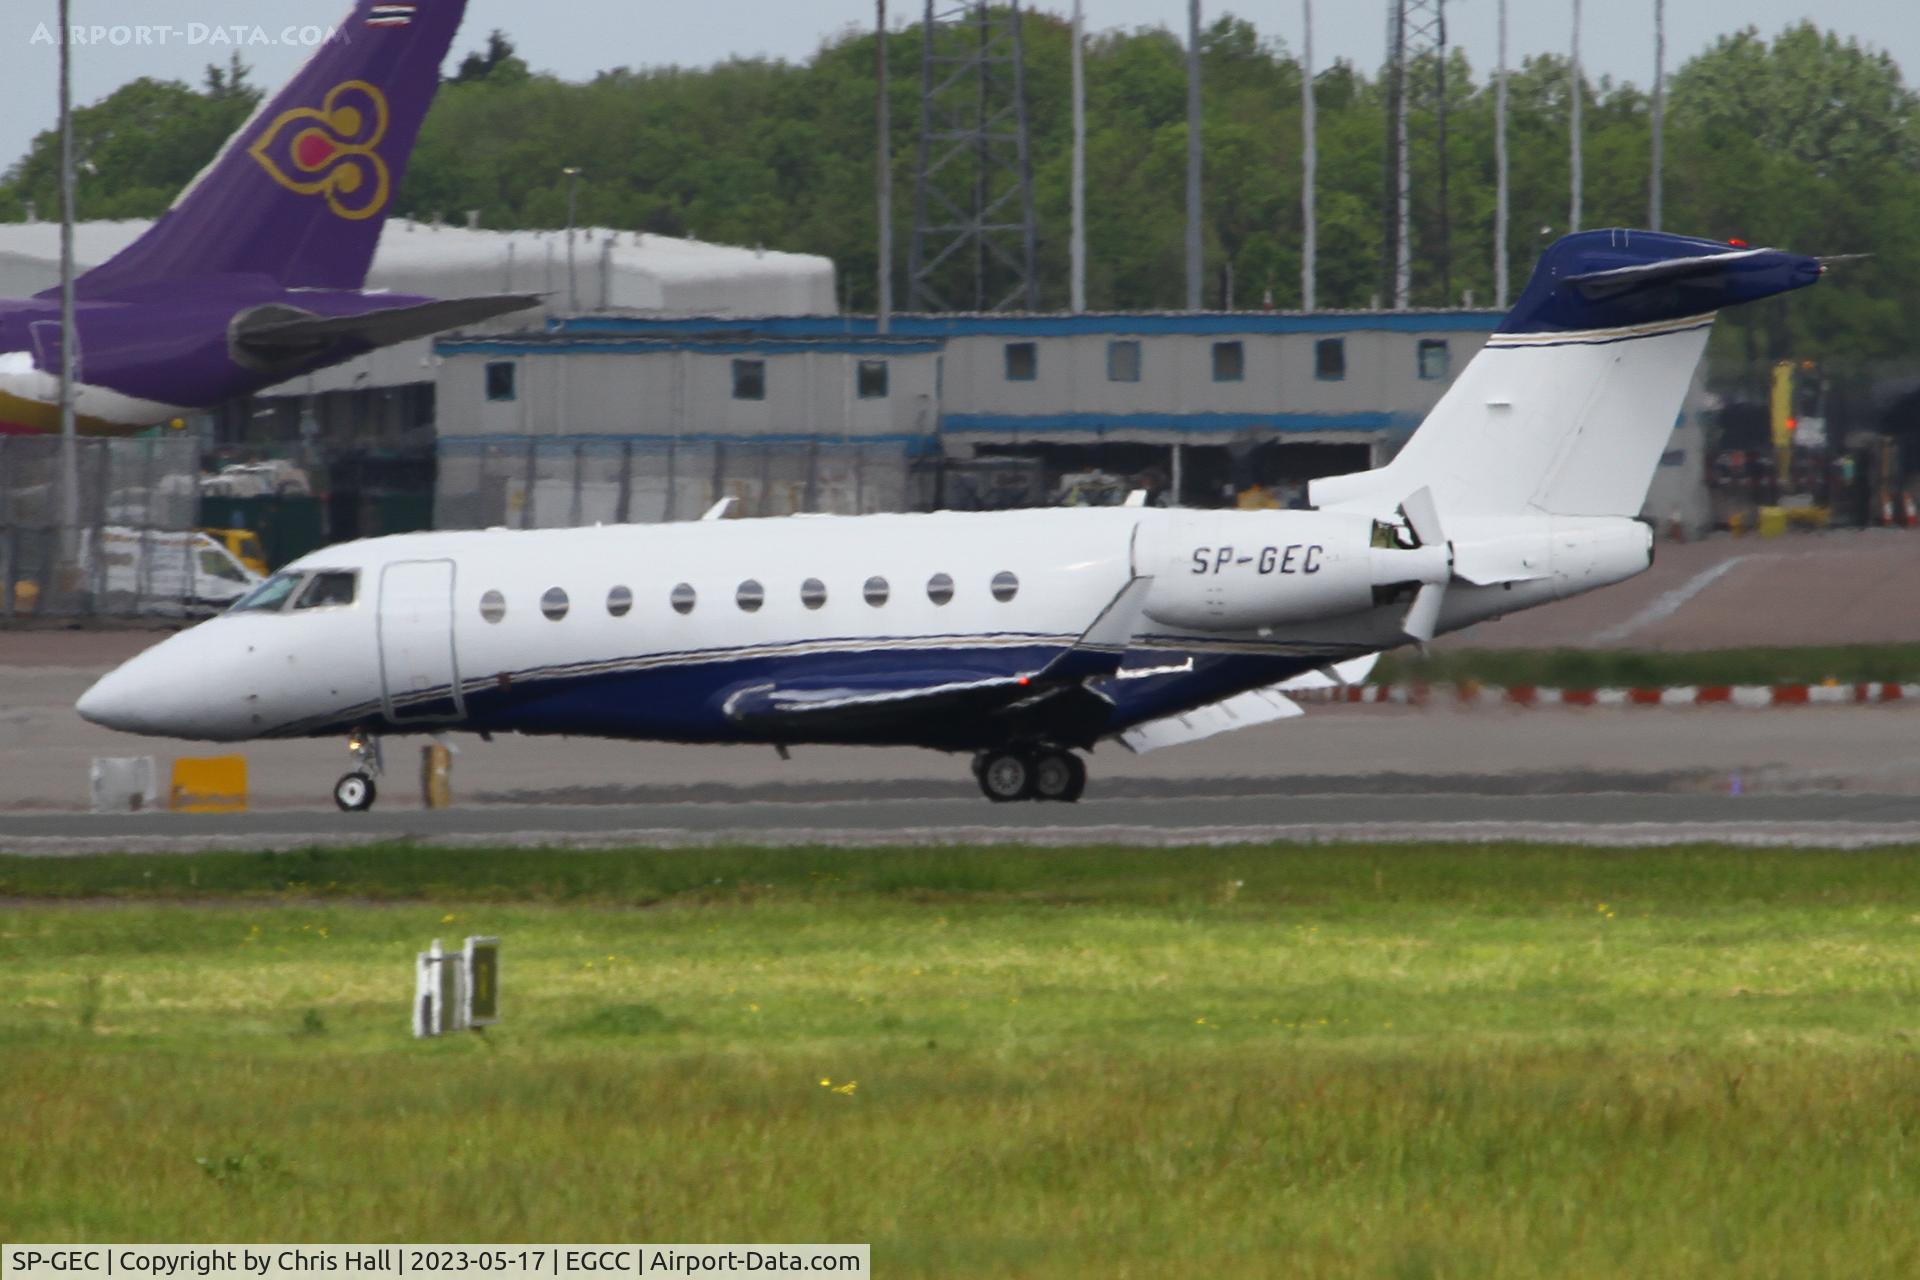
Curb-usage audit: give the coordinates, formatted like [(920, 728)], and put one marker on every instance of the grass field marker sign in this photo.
[(457, 990), (480, 965)]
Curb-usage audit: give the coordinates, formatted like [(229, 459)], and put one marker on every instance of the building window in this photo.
[(750, 596), (1005, 586), (500, 380), (1023, 362), (749, 379), (493, 606), (682, 598), (873, 380), (619, 602), (1123, 360), (940, 588), (1435, 362), (1330, 359), (875, 591), (813, 593), (1229, 361), (554, 604)]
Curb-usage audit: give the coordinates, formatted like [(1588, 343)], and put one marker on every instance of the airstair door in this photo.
[(419, 673)]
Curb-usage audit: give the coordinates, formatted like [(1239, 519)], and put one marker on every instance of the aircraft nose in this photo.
[(170, 691), (110, 702)]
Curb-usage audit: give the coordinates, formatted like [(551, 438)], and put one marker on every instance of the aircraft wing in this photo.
[(1057, 691), (1257, 706), (279, 333)]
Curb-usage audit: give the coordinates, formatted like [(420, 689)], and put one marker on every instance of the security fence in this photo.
[(108, 533)]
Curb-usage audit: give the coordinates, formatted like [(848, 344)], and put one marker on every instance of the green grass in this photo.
[(1616, 669), (1348, 1061)]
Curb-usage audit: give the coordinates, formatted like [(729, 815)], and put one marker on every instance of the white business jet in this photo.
[(1021, 637)]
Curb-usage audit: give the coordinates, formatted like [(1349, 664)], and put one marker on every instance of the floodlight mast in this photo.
[(1077, 290), (69, 447), (1309, 164), (883, 111)]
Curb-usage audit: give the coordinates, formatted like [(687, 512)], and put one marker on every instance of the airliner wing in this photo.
[(279, 333)]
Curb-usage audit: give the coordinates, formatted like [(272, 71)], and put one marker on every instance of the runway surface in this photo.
[(1815, 819), (1842, 776)]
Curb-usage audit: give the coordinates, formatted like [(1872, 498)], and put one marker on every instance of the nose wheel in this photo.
[(1044, 773), (356, 791)]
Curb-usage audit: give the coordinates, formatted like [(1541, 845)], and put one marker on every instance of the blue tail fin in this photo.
[(301, 193), (1568, 407)]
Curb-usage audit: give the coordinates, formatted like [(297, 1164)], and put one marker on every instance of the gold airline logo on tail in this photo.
[(331, 151)]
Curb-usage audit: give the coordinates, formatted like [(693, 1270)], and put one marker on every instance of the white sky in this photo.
[(579, 37)]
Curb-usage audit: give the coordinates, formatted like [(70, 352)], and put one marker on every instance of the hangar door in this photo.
[(419, 676)]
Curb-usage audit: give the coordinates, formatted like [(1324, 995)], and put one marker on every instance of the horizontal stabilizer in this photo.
[(277, 333), (1597, 285)]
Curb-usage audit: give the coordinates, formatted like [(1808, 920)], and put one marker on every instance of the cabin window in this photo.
[(1123, 360), (493, 606), (875, 591), (683, 598), (750, 596), (327, 590), (554, 604), (1435, 360), (502, 383), (813, 593), (873, 380), (620, 602), (1023, 361), (1330, 359), (940, 588), (1005, 586), (269, 595), (1229, 361), (749, 379)]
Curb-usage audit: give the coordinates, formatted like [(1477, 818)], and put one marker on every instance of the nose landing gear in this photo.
[(1038, 773), (356, 792)]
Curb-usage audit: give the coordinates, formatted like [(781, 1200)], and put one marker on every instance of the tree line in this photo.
[(1804, 141)]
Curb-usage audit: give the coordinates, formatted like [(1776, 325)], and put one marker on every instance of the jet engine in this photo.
[(1236, 570)]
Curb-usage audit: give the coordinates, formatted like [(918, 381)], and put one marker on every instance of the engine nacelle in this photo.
[(1240, 570)]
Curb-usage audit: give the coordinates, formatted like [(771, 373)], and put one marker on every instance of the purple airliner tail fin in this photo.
[(301, 193)]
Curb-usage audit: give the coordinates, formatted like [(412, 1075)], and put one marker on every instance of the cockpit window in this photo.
[(270, 595), (327, 589)]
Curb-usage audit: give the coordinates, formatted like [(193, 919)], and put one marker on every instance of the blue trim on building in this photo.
[(589, 344), (1197, 323), (913, 445), (1198, 423)]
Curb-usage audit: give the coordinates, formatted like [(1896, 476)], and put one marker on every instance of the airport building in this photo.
[(1199, 407), (660, 375)]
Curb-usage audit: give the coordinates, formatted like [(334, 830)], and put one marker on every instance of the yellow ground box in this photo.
[(209, 784)]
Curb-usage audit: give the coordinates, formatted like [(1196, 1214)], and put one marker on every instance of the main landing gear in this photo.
[(356, 792), (1030, 773)]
